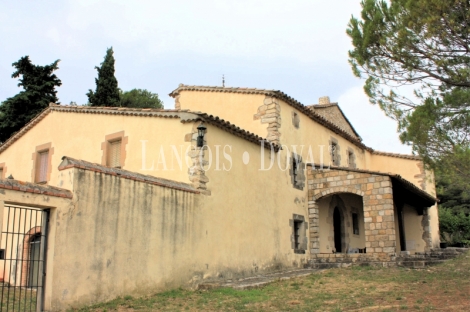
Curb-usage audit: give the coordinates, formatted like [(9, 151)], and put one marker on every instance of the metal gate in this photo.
[(22, 258)]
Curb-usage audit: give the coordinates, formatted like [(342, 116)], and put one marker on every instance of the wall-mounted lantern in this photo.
[(201, 130)]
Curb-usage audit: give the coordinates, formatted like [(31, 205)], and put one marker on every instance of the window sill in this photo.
[(299, 251)]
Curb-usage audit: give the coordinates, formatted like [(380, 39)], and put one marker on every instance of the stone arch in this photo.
[(338, 190), (28, 236), (337, 202)]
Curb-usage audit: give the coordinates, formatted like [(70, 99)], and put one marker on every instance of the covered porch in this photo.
[(358, 215)]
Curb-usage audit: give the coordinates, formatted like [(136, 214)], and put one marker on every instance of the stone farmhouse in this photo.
[(101, 202)]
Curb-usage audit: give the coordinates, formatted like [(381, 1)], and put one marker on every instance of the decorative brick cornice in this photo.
[(15, 185), (68, 162)]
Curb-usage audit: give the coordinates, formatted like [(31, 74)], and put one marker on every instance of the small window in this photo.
[(2, 254), (334, 153), (296, 171), (295, 120), (351, 159), (41, 166), (1, 173), (114, 154), (297, 233), (355, 222)]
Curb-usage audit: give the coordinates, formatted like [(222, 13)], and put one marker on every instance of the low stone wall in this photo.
[(405, 259)]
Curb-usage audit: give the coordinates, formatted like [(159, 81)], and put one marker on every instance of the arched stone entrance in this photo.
[(378, 208)]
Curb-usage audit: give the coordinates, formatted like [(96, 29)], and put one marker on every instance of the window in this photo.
[(295, 120), (351, 158), (1, 173), (298, 234), (297, 227), (114, 154), (114, 150), (355, 222), (42, 161), (296, 171), (335, 152)]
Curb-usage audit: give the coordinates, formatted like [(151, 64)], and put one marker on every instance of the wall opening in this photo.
[(337, 230)]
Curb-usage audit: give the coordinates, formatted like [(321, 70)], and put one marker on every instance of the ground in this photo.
[(445, 287)]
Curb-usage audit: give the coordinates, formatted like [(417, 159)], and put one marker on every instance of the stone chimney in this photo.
[(324, 100)]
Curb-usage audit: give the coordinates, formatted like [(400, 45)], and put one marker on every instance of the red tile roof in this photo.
[(69, 162), (28, 187)]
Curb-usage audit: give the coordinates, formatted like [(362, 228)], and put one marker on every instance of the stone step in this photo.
[(259, 280)]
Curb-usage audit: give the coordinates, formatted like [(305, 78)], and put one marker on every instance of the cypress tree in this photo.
[(39, 84), (107, 91)]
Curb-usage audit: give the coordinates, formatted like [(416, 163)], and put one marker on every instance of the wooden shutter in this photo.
[(114, 154), (41, 166)]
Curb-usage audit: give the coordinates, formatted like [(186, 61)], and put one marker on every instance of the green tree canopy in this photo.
[(139, 98), (423, 46), (107, 91), (39, 84)]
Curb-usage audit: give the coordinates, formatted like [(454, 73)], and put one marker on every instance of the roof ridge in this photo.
[(397, 155), (69, 162), (29, 187)]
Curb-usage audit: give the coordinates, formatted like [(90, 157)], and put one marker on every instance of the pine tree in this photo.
[(107, 91), (39, 84), (424, 45)]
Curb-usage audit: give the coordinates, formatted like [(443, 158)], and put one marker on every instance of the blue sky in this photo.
[(299, 47)]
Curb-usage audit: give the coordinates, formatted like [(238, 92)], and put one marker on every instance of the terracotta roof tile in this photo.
[(183, 115), (396, 155), (34, 188)]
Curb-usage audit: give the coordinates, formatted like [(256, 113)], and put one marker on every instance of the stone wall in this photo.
[(376, 191)]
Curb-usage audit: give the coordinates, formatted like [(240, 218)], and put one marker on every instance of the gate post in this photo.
[(42, 257)]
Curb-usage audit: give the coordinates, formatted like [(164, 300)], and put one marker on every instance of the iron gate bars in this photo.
[(23, 246)]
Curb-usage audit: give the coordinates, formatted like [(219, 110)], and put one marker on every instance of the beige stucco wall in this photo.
[(238, 109), (81, 136), (413, 230), (132, 238), (315, 136), (310, 140)]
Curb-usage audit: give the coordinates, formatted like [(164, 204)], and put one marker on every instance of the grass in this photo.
[(443, 287), (17, 298)]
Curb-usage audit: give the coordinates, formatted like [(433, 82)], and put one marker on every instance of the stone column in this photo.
[(313, 215), (379, 221)]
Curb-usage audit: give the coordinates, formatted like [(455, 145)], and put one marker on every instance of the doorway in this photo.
[(34, 260), (337, 230)]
